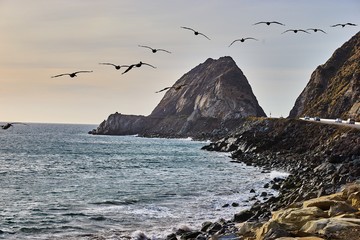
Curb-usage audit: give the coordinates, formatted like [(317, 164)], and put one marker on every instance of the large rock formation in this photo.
[(215, 95), (334, 87)]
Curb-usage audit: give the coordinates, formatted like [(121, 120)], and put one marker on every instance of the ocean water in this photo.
[(58, 182)]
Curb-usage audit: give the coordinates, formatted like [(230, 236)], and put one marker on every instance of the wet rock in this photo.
[(171, 237), (234, 204), (215, 227), (190, 235), (243, 216), (205, 226)]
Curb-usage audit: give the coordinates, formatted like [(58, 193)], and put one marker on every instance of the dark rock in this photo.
[(205, 226), (252, 191), (229, 236), (201, 237), (234, 204), (215, 227), (171, 237), (190, 235), (275, 186), (242, 216), (276, 233)]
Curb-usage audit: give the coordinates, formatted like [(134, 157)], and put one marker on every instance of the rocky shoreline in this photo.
[(321, 159)]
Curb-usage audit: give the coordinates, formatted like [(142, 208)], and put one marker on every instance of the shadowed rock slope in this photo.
[(215, 96), (320, 157), (334, 87)]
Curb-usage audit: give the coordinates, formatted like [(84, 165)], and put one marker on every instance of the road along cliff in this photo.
[(333, 90)]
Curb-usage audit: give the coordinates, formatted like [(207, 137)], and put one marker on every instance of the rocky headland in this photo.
[(214, 96)]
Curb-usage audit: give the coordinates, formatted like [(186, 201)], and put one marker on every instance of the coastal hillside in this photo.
[(334, 87), (207, 102)]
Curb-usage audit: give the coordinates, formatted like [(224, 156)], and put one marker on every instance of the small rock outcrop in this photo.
[(214, 96), (334, 87)]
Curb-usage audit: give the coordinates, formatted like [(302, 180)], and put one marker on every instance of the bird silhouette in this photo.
[(196, 32), (137, 65), (154, 50), (316, 30), (295, 31), (71, 74), (343, 24), (117, 67), (268, 23), (8, 125), (176, 88), (242, 40)]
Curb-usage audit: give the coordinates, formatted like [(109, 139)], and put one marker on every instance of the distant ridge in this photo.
[(334, 87), (215, 96)]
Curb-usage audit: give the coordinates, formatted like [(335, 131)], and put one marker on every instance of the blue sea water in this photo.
[(58, 182)]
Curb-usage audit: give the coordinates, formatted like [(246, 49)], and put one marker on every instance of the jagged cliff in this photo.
[(334, 87), (214, 96)]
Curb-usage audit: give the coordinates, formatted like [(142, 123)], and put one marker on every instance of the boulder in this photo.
[(242, 216), (324, 202), (330, 226), (354, 199), (300, 238), (295, 218), (340, 208), (270, 227)]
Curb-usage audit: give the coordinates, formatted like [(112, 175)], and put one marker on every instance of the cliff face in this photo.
[(215, 89), (214, 95), (334, 87)]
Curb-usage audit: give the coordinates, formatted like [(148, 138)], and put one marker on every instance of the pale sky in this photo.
[(42, 38)]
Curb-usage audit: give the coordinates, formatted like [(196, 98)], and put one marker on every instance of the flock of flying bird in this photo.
[(154, 50)]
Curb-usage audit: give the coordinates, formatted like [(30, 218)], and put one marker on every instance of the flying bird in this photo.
[(295, 31), (243, 40), (154, 50), (196, 32), (137, 65), (268, 23), (71, 74), (117, 67), (8, 125), (343, 24), (176, 88), (316, 30)]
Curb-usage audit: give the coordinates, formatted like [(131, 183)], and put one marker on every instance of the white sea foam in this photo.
[(277, 174)]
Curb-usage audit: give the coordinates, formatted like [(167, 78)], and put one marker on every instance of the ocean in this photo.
[(58, 182)]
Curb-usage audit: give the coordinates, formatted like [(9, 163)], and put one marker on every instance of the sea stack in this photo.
[(215, 97)]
